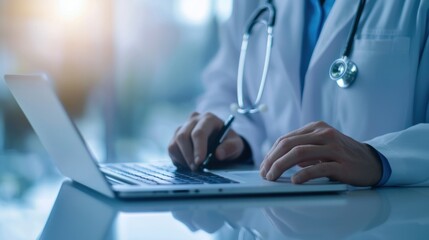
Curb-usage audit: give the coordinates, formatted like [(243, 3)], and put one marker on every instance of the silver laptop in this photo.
[(39, 102)]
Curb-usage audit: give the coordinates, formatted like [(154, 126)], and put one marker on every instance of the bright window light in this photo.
[(194, 11), (70, 10), (223, 9)]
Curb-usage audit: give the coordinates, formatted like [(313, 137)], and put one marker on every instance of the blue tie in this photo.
[(316, 12)]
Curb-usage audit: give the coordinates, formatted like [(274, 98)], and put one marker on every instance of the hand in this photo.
[(189, 144), (322, 151)]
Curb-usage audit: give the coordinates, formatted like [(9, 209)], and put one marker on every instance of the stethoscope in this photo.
[(342, 70)]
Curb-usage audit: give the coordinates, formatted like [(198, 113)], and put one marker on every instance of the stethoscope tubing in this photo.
[(346, 70), (353, 30)]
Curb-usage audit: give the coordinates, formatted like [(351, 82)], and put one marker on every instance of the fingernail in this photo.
[(197, 159), (270, 176)]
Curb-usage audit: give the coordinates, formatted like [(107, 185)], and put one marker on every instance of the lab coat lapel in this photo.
[(338, 22), (319, 89), (289, 29)]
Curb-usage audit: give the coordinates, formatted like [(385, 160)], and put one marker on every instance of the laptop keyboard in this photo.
[(159, 175)]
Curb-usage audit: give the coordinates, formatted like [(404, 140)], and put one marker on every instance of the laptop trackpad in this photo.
[(254, 176)]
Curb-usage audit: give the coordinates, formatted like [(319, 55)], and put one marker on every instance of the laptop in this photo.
[(37, 98)]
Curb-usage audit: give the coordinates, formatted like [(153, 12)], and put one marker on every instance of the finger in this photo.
[(327, 169), (174, 152), (309, 128), (207, 126), (285, 145), (309, 163), (194, 114), (281, 141), (230, 148), (298, 154), (176, 156), (184, 142)]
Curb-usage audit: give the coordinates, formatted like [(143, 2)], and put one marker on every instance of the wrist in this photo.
[(246, 154), (377, 168)]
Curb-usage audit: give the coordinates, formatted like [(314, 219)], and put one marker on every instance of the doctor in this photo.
[(373, 132)]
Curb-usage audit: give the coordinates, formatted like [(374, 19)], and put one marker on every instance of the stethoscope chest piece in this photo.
[(343, 71)]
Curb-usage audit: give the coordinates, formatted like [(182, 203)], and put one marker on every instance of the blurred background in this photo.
[(127, 71)]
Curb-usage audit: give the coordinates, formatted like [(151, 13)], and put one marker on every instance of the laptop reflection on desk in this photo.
[(40, 104), (80, 213)]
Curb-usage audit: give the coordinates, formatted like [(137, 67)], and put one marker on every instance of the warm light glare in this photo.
[(71, 9)]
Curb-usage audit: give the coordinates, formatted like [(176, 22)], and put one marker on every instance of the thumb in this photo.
[(230, 149)]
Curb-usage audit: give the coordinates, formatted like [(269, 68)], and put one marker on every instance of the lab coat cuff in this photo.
[(386, 169), (396, 178)]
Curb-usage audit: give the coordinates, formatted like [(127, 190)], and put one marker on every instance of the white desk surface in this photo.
[(385, 213)]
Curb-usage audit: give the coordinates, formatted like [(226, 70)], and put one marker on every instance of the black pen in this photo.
[(218, 140)]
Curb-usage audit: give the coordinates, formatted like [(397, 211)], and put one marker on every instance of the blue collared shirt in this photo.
[(316, 12)]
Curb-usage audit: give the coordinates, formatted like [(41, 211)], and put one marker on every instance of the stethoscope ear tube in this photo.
[(268, 20), (271, 18)]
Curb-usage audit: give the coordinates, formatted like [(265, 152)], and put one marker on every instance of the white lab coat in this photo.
[(387, 106)]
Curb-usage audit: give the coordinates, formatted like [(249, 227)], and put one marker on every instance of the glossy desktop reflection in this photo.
[(393, 213)]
